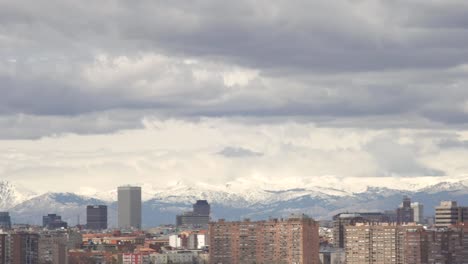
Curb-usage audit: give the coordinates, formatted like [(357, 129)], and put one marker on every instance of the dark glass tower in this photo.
[(96, 217), (201, 207), (5, 220)]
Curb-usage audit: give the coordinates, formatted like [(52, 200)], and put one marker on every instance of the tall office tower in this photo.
[(129, 207), (96, 217), (201, 207), (53, 221), (340, 221), (447, 213), (418, 212), (5, 220), (294, 240), (385, 243), (405, 213)]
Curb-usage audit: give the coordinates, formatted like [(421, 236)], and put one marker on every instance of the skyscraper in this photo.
[(418, 212), (405, 213), (96, 217), (129, 207), (201, 207)]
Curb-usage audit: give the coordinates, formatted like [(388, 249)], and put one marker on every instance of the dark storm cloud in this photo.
[(43, 97), (320, 60), (316, 35), (23, 126), (453, 143)]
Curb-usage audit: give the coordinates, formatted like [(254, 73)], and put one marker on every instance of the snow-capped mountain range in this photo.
[(231, 201)]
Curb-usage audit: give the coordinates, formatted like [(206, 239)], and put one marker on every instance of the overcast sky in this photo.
[(95, 94)]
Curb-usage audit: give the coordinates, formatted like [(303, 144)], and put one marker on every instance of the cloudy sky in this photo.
[(95, 94)]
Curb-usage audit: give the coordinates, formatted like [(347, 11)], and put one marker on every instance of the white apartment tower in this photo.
[(418, 212)]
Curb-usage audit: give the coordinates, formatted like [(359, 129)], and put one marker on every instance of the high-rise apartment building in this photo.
[(293, 240), (415, 245), (5, 220), (340, 221), (53, 247), (129, 207), (406, 244), (96, 217), (405, 213), (19, 248), (449, 213), (448, 245), (385, 243)]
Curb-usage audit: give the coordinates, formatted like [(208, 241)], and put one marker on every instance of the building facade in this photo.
[(340, 221), (129, 207), (418, 212), (405, 213), (293, 240), (448, 245), (199, 217), (19, 248), (449, 213), (53, 247), (53, 221), (96, 217), (385, 243), (201, 207)]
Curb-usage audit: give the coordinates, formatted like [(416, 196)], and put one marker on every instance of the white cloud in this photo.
[(175, 150)]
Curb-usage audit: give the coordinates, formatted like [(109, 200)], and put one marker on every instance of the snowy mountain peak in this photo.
[(11, 195), (445, 186)]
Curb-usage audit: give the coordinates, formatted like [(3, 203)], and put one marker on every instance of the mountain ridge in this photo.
[(254, 203)]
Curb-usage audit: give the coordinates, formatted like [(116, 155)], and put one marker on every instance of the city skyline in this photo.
[(361, 93), (234, 132)]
